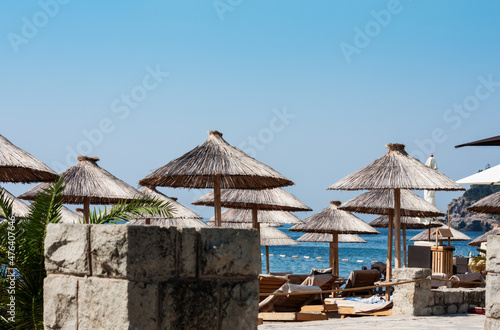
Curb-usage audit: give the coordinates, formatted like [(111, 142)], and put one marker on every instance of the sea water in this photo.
[(357, 254)]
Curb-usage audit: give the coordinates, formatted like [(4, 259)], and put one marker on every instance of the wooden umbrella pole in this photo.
[(217, 206), (397, 228), (267, 259), (255, 220), (429, 233), (404, 244), (335, 243), (148, 221), (86, 209), (388, 271), (332, 250)]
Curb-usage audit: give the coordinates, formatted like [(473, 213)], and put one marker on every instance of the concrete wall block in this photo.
[(402, 274), (453, 296), (452, 309), (188, 255), (66, 249), (464, 308), (239, 304), (438, 310), (138, 253), (492, 296), (229, 252), (190, 304), (491, 324), (475, 296), (60, 302), (493, 255), (438, 297), (117, 304)]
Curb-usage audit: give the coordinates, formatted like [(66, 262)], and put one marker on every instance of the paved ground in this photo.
[(457, 321)]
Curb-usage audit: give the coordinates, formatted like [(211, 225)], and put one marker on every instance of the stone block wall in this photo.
[(493, 283), (149, 277), (418, 299)]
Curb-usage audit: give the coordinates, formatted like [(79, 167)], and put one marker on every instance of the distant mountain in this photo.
[(463, 220)]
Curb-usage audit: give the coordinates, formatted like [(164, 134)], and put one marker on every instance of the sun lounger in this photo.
[(291, 303), (369, 306), (470, 277), (358, 279), (270, 283), (437, 280)]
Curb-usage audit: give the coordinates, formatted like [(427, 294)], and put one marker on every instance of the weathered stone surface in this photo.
[(134, 252), (438, 310), (493, 255), (402, 274), (438, 297), (188, 257), (452, 309), (464, 308), (492, 324), (475, 296), (117, 304), (453, 296), (189, 304), (492, 295), (229, 252), (239, 304), (60, 302), (66, 249)]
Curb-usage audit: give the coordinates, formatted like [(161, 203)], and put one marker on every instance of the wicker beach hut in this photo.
[(396, 170), (382, 202), (218, 165), (16, 165), (328, 238), (334, 221), (484, 237), (181, 215), (86, 183), (255, 200), (273, 218), (457, 235)]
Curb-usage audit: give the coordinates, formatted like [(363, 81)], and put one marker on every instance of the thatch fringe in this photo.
[(179, 211), (382, 201), (198, 168), (19, 208), (483, 238), (68, 216), (87, 179), (169, 222), (396, 169), (457, 235), (245, 215), (409, 222), (332, 219), (268, 199), (488, 205), (16, 165), (317, 237)]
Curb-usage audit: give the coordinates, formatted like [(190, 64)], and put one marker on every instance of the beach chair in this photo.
[(358, 279), (291, 303), (270, 283), (470, 277)]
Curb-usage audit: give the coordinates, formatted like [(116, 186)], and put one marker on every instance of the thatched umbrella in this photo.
[(269, 236), (181, 215), (16, 165), (216, 164), (19, 208), (334, 221), (328, 238), (457, 235), (86, 183), (396, 170), (488, 205), (382, 202), (268, 199), (484, 237), (68, 216), (408, 222), (263, 216)]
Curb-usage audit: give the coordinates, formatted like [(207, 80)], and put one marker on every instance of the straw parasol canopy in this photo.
[(240, 225), (68, 216), (382, 201), (323, 237), (334, 221), (16, 165), (245, 216), (457, 235), (87, 183), (396, 170), (268, 199), (483, 238), (409, 223), (216, 164), (489, 205), (19, 208), (169, 222)]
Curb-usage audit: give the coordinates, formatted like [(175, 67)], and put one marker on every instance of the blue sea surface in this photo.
[(358, 254)]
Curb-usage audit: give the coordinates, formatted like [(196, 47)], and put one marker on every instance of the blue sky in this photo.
[(313, 89)]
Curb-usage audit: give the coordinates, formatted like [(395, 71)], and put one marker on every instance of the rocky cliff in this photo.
[(463, 220)]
